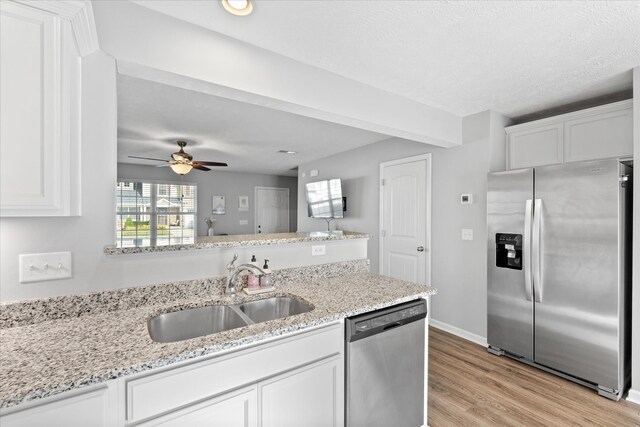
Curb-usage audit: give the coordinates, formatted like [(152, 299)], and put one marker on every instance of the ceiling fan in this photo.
[(182, 162)]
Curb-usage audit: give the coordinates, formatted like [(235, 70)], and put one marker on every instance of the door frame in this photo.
[(255, 208), (427, 158)]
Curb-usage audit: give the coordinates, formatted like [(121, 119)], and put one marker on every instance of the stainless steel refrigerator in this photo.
[(559, 270)]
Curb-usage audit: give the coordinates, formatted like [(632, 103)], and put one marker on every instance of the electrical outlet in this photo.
[(317, 250), (467, 234), (44, 267)]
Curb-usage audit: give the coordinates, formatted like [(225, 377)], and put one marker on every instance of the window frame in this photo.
[(152, 211)]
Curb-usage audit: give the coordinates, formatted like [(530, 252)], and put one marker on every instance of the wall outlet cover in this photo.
[(317, 250)]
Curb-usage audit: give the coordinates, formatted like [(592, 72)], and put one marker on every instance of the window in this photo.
[(155, 214)]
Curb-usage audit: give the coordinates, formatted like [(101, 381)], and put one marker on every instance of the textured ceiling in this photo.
[(152, 116), (516, 58)]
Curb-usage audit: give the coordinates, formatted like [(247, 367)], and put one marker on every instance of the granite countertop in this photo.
[(53, 356), (206, 242)]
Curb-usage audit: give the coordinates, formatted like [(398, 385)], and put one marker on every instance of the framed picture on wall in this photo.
[(219, 205), (243, 203)]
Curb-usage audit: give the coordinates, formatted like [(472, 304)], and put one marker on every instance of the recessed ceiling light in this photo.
[(238, 7), (287, 152)]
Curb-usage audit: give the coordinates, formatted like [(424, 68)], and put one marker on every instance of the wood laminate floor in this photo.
[(470, 387)]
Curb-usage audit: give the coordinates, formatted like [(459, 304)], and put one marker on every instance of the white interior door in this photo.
[(404, 219), (272, 210)]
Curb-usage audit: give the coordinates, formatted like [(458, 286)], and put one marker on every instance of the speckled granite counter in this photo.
[(52, 356), (243, 240)]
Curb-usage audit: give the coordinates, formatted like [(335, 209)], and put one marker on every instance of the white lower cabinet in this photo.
[(309, 396), (235, 409)]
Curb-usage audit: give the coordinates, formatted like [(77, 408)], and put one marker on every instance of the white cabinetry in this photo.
[(595, 133), (299, 378), (235, 409), (535, 147), (84, 408), (40, 107), (159, 392), (310, 396)]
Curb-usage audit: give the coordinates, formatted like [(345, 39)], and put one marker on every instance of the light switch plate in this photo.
[(44, 267), (467, 234), (317, 250)]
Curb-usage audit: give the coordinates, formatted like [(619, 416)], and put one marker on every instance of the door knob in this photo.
[(420, 248)]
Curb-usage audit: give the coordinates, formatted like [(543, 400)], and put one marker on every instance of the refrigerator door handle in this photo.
[(526, 252), (535, 256)]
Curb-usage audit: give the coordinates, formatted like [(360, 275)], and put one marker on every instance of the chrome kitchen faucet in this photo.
[(233, 273)]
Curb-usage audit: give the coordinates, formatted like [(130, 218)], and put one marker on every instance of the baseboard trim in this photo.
[(634, 396), (459, 332)]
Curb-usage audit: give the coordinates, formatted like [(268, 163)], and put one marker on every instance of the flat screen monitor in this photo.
[(324, 199)]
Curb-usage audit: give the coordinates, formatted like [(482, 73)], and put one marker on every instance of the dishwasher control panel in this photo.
[(378, 321)]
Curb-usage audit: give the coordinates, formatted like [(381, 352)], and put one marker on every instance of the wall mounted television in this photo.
[(324, 199)]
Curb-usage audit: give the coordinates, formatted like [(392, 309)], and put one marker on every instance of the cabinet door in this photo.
[(87, 409), (308, 396), (535, 147), (235, 409), (600, 136), (39, 116)]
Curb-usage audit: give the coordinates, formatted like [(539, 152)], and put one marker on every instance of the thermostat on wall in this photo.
[(466, 199)]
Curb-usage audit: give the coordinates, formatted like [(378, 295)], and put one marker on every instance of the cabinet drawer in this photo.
[(159, 393)]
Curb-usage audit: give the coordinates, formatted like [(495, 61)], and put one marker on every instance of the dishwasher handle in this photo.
[(392, 325)]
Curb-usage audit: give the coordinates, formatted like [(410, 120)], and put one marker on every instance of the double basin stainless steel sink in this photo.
[(197, 322)]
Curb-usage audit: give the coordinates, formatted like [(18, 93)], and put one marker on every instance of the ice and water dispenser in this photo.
[(509, 251)]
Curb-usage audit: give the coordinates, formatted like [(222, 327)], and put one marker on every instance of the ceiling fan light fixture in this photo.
[(181, 168), (238, 7)]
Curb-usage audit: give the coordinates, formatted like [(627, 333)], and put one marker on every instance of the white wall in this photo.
[(219, 182), (634, 394), (226, 67), (458, 267), (359, 170), (87, 235)]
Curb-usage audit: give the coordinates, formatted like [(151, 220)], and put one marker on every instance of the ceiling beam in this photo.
[(148, 44)]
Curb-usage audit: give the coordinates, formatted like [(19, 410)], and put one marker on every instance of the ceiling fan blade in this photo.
[(148, 158), (210, 163), (199, 167)]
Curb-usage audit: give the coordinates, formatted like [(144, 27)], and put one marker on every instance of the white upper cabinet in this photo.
[(40, 106), (535, 147), (595, 133), (599, 136)]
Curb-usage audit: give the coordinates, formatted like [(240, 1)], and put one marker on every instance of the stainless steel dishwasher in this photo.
[(385, 367)]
